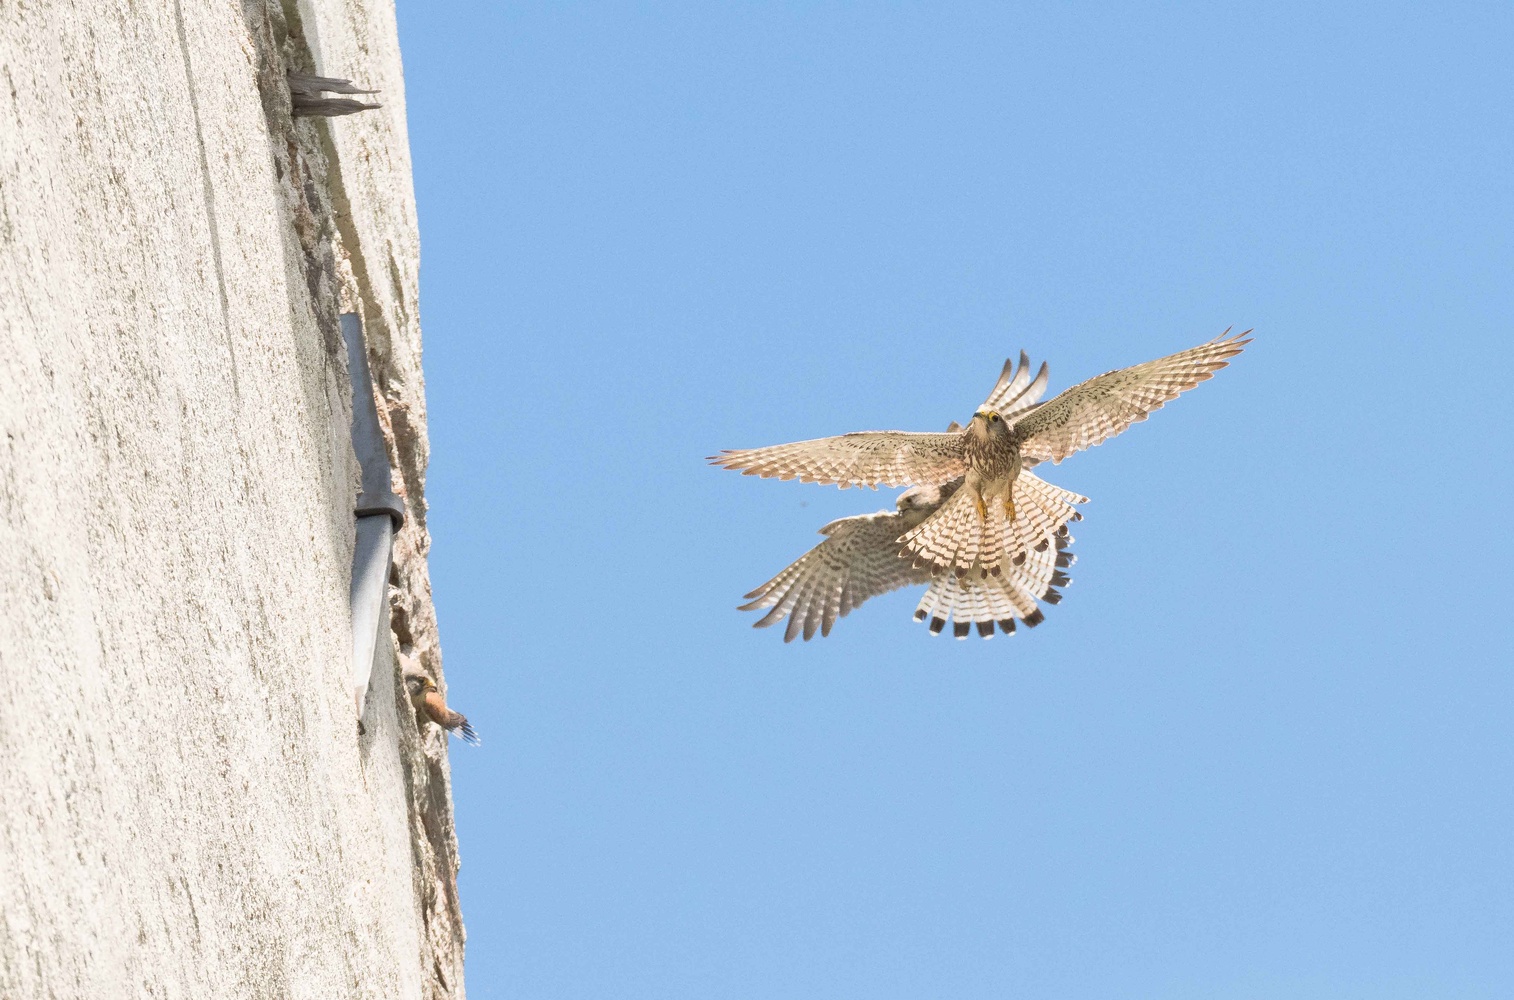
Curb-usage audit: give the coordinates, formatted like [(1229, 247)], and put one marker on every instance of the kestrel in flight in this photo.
[(989, 512)]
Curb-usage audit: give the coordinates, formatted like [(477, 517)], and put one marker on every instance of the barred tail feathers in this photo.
[(1041, 510), (959, 600), (952, 538), (983, 601), (957, 539), (973, 601)]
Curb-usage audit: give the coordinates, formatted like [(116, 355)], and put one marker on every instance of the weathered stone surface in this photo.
[(186, 807)]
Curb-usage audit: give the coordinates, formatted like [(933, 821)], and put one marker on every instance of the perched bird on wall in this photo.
[(863, 557), (989, 514), (429, 704)]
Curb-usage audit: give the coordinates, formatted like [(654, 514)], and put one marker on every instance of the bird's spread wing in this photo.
[(1092, 412), (867, 458), (1016, 391), (859, 559)]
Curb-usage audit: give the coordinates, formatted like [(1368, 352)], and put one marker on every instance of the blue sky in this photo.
[(1263, 747)]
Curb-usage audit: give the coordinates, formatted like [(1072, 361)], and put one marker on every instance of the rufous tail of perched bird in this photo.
[(429, 704)]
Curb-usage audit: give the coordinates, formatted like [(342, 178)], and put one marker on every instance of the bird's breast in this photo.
[(994, 458)]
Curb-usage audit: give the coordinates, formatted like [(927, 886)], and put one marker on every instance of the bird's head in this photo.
[(918, 498), (925, 499), (987, 424), (419, 684)]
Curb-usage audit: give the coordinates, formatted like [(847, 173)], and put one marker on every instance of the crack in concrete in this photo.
[(210, 196)]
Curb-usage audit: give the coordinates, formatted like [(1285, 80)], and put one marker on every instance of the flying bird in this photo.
[(861, 558), (989, 513)]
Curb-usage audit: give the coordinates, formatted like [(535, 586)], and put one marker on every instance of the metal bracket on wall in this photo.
[(306, 100), (379, 515)]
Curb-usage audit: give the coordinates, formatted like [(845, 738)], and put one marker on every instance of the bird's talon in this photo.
[(982, 508)]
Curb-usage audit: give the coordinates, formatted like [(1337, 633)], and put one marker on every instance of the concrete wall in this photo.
[(186, 806)]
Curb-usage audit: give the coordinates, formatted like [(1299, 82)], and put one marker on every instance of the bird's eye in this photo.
[(993, 418)]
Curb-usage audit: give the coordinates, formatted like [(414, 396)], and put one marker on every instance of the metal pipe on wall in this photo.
[(380, 513)]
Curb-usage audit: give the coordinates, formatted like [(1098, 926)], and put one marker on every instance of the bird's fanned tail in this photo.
[(977, 601), (952, 539), (1041, 510), (958, 539)]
